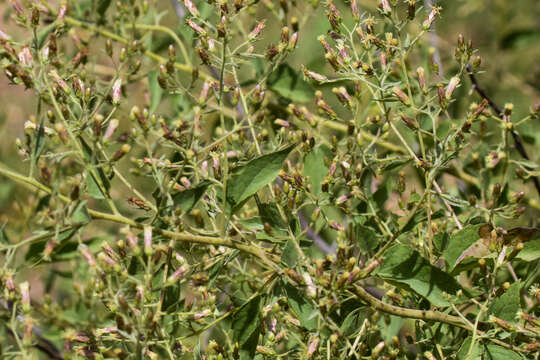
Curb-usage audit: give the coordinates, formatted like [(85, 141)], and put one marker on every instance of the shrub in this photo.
[(204, 191)]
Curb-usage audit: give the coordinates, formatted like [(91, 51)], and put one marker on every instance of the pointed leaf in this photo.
[(305, 310), (403, 265), (459, 242), (495, 352), (290, 254), (288, 83), (187, 199), (507, 305), (247, 179), (156, 92), (80, 215), (315, 168), (246, 327)]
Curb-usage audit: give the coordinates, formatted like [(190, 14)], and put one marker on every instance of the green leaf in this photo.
[(36, 249), (102, 6), (80, 214), (269, 213), (247, 179), (246, 327), (507, 305), (156, 92), (288, 83), (40, 142), (466, 353), (353, 321), (405, 266), (304, 309), (315, 168), (290, 254), (3, 237), (93, 188), (187, 199), (366, 238), (459, 242), (530, 251), (495, 352), (197, 355)]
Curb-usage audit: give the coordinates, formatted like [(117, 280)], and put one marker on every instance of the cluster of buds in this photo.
[(464, 51)]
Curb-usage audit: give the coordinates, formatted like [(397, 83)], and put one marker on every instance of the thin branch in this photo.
[(426, 315), (520, 147)]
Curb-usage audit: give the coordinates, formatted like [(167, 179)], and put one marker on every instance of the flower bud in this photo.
[(421, 79), (191, 8), (452, 84), (401, 95), (147, 240), (116, 92), (385, 7), (121, 152), (113, 125), (254, 34)]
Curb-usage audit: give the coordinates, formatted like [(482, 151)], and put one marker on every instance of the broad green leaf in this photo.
[(315, 168), (530, 251), (80, 214), (290, 84), (459, 242), (303, 308), (187, 199), (290, 254), (507, 305), (246, 327), (247, 179), (403, 265), (93, 188), (353, 321), (495, 352), (467, 353), (171, 298), (269, 213), (366, 238), (156, 92)]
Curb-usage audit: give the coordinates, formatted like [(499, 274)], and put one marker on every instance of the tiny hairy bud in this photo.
[(454, 81), (385, 7), (147, 240), (116, 92), (254, 34), (191, 8)]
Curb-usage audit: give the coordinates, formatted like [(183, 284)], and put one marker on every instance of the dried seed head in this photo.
[(113, 125), (116, 92), (257, 30), (148, 240), (314, 76), (401, 95), (191, 8), (421, 79), (25, 56), (431, 17), (196, 27), (452, 84), (385, 7)]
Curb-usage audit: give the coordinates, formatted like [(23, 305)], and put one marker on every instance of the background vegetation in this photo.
[(269, 179)]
